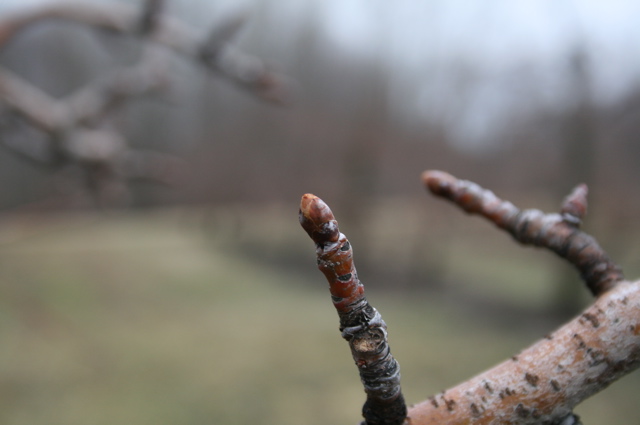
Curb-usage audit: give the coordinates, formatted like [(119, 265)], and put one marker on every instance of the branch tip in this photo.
[(317, 219), (439, 182)]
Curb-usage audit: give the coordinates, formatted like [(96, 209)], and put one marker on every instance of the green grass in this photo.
[(149, 319)]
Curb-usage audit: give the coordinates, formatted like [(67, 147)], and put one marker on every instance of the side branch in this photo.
[(361, 324), (557, 232)]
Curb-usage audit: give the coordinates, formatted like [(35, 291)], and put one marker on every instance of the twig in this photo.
[(557, 232), (361, 324)]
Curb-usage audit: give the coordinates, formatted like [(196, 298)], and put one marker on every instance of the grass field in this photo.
[(146, 318)]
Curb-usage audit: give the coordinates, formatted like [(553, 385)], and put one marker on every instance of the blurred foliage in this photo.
[(162, 318)]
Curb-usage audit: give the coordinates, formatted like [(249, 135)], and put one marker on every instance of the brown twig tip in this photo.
[(574, 206), (360, 324), (439, 182), (317, 219)]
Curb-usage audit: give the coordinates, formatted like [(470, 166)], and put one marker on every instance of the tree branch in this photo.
[(543, 383), (557, 232), (361, 324)]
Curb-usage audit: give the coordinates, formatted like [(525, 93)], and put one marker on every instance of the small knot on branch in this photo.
[(574, 206)]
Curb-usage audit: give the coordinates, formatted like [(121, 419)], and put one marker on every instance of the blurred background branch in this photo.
[(77, 126)]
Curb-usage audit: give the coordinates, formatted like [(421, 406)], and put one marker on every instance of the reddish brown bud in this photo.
[(317, 219), (439, 182)]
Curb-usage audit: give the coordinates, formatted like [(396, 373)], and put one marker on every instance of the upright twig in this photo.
[(361, 324)]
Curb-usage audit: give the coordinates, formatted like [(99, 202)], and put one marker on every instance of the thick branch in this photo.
[(361, 324), (546, 381)]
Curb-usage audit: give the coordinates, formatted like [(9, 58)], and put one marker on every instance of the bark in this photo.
[(556, 232)]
